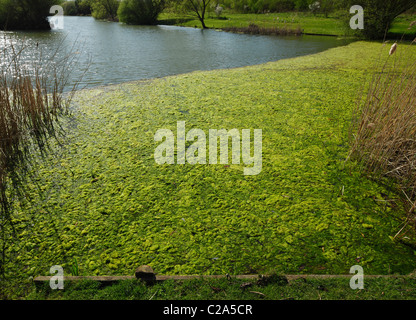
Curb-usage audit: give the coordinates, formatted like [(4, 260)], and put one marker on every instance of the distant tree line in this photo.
[(77, 7), (319, 6), (263, 6), (127, 11), (32, 14), (100, 8), (25, 14)]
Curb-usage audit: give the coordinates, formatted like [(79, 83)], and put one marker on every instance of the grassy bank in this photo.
[(309, 23), (232, 289), (290, 20), (106, 203)]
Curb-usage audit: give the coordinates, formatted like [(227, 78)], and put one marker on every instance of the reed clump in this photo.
[(32, 99), (384, 130), (253, 28)]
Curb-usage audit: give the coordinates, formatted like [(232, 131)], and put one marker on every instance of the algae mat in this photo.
[(106, 204)]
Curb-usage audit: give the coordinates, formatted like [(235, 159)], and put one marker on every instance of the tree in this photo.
[(199, 7), (25, 14), (315, 6), (105, 9), (70, 8), (83, 7), (301, 5), (379, 15), (143, 12), (328, 6)]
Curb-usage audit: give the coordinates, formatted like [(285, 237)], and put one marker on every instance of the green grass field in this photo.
[(401, 26), (106, 203), (309, 23)]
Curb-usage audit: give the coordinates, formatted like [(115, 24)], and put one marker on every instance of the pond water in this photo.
[(116, 53)]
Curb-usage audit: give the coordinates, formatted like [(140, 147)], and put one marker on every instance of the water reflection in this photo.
[(121, 53)]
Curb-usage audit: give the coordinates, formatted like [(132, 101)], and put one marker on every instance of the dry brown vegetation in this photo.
[(255, 29), (384, 138), (32, 98)]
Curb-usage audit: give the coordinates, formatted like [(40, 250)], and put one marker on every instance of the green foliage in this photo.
[(75, 268), (265, 6), (378, 15), (25, 15), (301, 5), (284, 20), (141, 12), (107, 203), (174, 6), (259, 6), (77, 7), (328, 6), (83, 7), (279, 5), (325, 6), (105, 9), (70, 8), (315, 7)]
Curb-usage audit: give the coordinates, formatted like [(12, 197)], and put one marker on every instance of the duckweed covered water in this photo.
[(107, 203)]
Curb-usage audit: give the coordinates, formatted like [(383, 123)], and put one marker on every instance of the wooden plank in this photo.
[(189, 277), (78, 278), (243, 276), (158, 278)]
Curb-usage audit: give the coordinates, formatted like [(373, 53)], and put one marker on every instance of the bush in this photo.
[(83, 7), (261, 6), (25, 15), (105, 9), (69, 8), (281, 5), (301, 5), (142, 12), (378, 15), (314, 7)]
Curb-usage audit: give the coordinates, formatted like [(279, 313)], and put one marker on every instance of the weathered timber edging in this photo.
[(190, 277), (147, 274), (158, 278)]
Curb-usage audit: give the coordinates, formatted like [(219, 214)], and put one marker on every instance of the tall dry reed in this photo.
[(384, 130), (32, 99)]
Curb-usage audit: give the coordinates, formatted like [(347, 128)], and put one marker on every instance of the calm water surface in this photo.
[(117, 53)]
